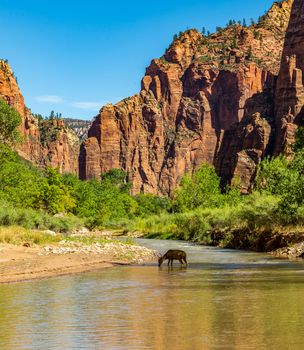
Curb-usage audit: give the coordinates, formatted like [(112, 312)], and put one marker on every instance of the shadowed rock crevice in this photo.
[(247, 142)]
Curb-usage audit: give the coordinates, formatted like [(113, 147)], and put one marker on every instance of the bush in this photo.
[(34, 219)]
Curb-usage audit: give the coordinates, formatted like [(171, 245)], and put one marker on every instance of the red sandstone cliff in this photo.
[(60, 146), (46, 144), (208, 99), (199, 103), (290, 91)]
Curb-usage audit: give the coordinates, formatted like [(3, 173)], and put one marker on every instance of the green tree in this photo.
[(117, 178), (149, 204), (284, 179), (273, 176), (104, 200), (299, 144), (9, 122), (200, 190), (55, 196), (19, 182)]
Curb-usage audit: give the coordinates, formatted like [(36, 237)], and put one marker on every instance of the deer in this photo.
[(171, 255)]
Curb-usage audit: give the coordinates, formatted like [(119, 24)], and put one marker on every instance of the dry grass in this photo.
[(18, 236)]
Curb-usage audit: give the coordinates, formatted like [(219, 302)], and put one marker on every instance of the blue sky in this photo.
[(75, 56)]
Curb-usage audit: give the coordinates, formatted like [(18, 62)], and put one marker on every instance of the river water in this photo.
[(225, 299)]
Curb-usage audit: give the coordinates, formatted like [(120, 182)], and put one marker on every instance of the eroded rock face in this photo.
[(45, 144), (196, 106), (246, 143), (174, 125), (60, 146), (290, 90), (89, 159), (207, 100)]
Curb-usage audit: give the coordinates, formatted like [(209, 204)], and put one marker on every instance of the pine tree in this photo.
[(52, 115)]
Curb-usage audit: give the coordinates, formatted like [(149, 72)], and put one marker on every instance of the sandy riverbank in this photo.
[(19, 263)]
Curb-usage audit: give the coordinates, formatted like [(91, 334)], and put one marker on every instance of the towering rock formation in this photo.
[(60, 146), (208, 99), (212, 99), (47, 143), (9, 91), (247, 142), (290, 92)]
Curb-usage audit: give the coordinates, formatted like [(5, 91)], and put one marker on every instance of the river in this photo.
[(225, 299)]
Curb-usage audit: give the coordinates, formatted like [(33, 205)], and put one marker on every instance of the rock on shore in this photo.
[(132, 253)]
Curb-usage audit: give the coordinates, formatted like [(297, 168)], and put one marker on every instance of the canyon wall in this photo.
[(45, 143), (227, 99), (289, 97), (207, 100)]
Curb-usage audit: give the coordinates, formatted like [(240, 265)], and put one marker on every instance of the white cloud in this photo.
[(50, 99), (84, 105), (90, 106)]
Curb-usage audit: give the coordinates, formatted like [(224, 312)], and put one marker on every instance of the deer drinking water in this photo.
[(173, 255)]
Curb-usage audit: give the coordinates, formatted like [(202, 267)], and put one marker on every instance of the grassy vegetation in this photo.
[(28, 218), (255, 212), (19, 235)]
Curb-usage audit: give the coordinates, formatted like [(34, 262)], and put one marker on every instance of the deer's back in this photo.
[(175, 254)]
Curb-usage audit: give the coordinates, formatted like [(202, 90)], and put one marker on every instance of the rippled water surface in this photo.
[(224, 300)]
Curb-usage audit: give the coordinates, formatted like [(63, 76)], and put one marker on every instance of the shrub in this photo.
[(34, 219)]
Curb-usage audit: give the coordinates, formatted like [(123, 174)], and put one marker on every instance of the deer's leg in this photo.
[(168, 262), (181, 261), (185, 261), (171, 262)]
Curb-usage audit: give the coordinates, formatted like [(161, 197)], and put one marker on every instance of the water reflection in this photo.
[(223, 300)]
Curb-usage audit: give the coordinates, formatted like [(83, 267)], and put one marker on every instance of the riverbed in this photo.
[(224, 299)]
